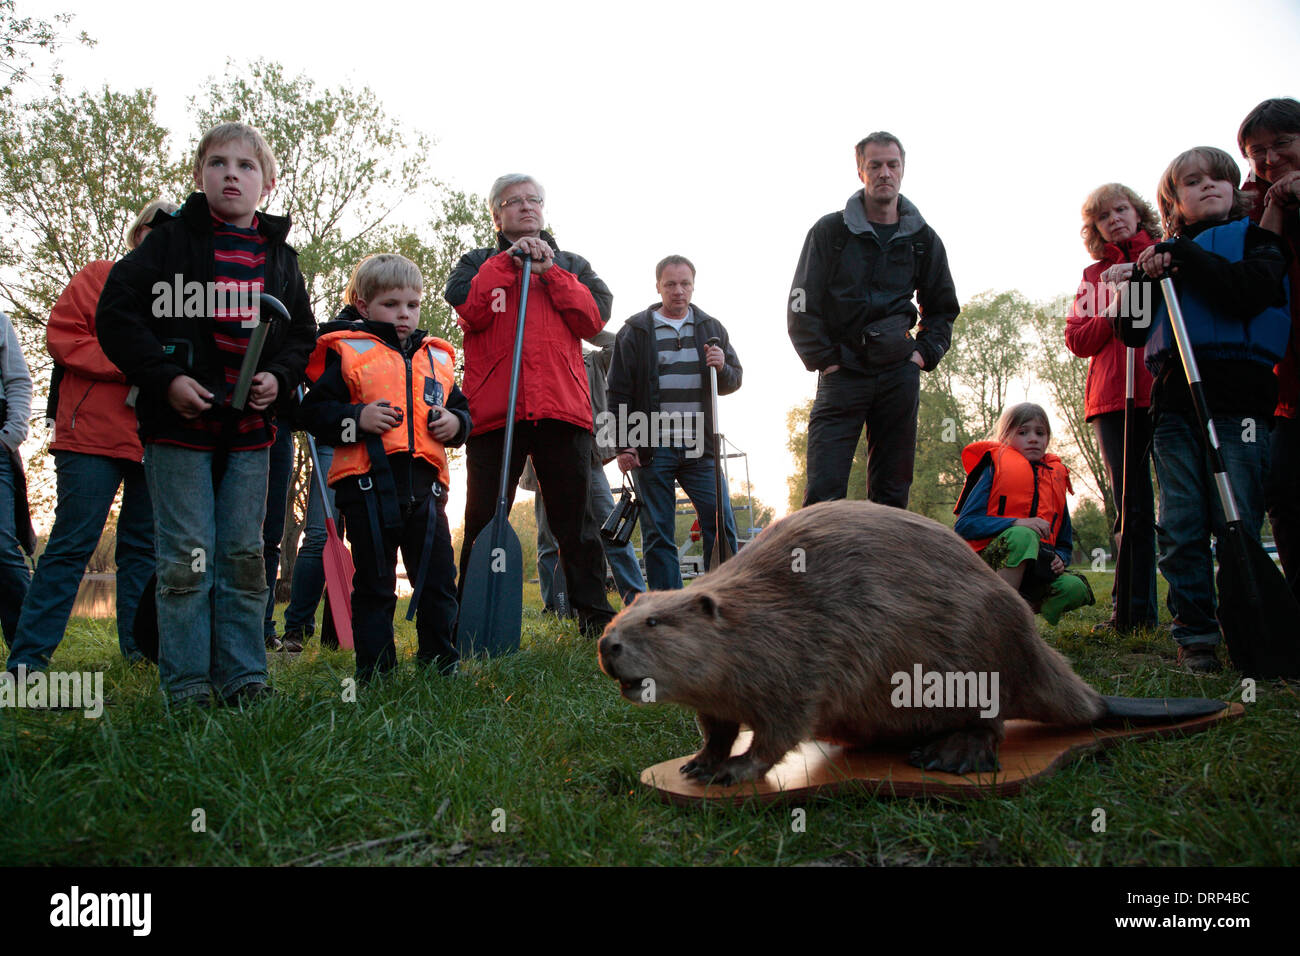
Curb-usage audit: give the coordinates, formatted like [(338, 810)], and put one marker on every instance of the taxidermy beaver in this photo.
[(828, 625)]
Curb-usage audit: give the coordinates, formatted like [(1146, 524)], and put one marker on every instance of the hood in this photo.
[(910, 220)]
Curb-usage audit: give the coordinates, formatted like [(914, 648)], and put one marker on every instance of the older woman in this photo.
[(1117, 225), (96, 450)]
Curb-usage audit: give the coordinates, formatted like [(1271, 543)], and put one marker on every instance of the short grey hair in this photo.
[(505, 182)]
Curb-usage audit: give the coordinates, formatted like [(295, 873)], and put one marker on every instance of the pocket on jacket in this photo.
[(887, 341)]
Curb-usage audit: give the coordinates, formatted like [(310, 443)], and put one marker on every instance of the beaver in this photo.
[(806, 631)]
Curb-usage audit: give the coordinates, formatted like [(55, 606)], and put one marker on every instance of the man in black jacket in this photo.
[(659, 403), (850, 318)]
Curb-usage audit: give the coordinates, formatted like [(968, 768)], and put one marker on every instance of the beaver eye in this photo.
[(651, 622)]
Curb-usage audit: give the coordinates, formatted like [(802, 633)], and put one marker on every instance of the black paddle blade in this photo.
[(1257, 611), (492, 607)]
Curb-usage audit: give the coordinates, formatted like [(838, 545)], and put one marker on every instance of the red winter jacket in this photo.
[(1287, 370), (93, 417), (552, 378), (1088, 334)]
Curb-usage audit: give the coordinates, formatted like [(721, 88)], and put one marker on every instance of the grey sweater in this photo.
[(15, 387)]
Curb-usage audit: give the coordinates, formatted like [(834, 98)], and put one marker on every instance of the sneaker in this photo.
[(249, 693), (273, 643), (1199, 659), (292, 641)]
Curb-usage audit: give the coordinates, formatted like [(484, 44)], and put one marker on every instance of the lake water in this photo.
[(97, 596)]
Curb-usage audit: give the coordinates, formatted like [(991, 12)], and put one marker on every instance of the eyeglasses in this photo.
[(1258, 152), (520, 200)]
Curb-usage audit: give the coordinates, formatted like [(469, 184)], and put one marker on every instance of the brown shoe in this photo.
[(1199, 659)]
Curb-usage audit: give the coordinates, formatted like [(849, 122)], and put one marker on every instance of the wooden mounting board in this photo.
[(1030, 751)]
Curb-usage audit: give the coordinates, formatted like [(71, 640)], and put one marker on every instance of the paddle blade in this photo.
[(1257, 611), (492, 606), (337, 561)]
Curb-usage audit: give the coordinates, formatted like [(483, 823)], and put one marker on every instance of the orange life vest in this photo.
[(1020, 490), (375, 371)]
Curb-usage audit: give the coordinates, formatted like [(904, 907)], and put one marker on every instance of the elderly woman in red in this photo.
[(1117, 225)]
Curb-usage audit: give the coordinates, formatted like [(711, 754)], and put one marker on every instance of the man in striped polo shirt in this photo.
[(659, 393)]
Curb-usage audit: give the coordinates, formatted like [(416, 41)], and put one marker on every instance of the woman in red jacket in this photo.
[(96, 449), (1117, 225)]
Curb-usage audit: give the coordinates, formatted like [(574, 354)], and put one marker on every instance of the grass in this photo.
[(534, 759)]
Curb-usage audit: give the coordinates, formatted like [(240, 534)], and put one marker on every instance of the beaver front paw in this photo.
[(731, 771), (963, 752)]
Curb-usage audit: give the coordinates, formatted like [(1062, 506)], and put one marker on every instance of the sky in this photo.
[(722, 131)]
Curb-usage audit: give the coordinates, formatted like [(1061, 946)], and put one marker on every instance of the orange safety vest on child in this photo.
[(1019, 490), (375, 371)]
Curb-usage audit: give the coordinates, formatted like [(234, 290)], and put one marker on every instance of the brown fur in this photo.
[(798, 654)]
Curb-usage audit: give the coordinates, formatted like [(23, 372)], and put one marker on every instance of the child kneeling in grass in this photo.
[(1013, 512), (385, 397)]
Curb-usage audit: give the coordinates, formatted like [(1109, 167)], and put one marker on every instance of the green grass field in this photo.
[(534, 759)]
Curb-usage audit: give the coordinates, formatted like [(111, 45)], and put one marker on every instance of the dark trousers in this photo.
[(886, 402), (277, 500), (374, 592), (1140, 558), (561, 456), (1282, 497)]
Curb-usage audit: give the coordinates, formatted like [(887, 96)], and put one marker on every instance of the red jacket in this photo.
[(93, 417), (1088, 334), (552, 378), (1287, 370)]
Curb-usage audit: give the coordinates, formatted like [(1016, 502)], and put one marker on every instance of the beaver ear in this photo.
[(708, 606)]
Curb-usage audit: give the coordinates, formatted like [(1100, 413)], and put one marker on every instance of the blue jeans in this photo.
[(1190, 511), (87, 485), (211, 576), (277, 501), (654, 483), (309, 567), (622, 561), (14, 575)]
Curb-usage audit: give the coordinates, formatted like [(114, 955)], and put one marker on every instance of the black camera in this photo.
[(618, 527)]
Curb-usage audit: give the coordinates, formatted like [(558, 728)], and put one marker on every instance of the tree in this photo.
[(22, 38), (1091, 529), (75, 171), (989, 354)]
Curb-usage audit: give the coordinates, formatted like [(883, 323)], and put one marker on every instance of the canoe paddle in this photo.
[(721, 546), (1257, 611), (492, 605)]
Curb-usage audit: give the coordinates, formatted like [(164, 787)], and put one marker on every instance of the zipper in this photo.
[(410, 429)]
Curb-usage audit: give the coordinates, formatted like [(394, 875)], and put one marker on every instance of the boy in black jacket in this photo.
[(176, 316), (386, 398)]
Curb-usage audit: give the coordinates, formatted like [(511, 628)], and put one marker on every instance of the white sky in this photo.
[(722, 131)]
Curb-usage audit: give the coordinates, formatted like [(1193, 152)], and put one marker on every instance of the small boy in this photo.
[(385, 396), (176, 316)]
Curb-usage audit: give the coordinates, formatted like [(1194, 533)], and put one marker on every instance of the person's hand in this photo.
[(537, 248), (445, 427), (627, 460), (379, 417), (1285, 192), (265, 388), (917, 359), (1121, 272), (714, 357), (187, 397), (1153, 263), (830, 369), (1039, 526), (1058, 566)]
